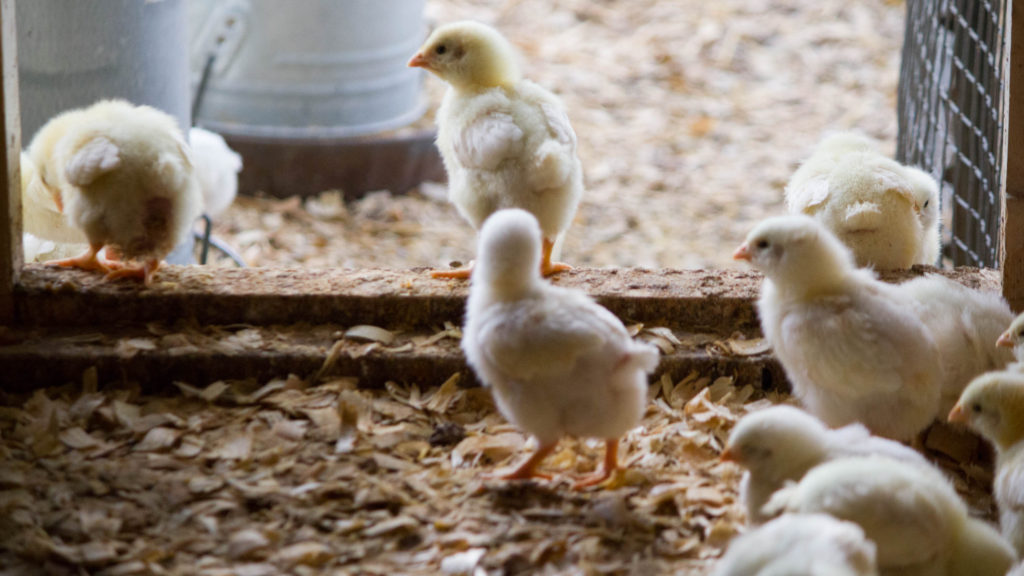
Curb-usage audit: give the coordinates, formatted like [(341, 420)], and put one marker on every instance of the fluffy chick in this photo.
[(217, 167), (800, 545), (851, 345), (1013, 338), (558, 363), (993, 406), (780, 444), (505, 141), (883, 212), (124, 175), (965, 323), (915, 518)]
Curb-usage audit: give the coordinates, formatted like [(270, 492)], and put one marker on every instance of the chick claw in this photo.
[(547, 267), (528, 469), (86, 261), (610, 465), (457, 274), (144, 272)]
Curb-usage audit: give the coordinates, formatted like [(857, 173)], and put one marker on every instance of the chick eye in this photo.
[(761, 244), (441, 49), (976, 408), (926, 202)]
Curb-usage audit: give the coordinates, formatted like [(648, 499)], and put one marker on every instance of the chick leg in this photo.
[(144, 272), (611, 464), (86, 261), (528, 469), (547, 267), (457, 274)]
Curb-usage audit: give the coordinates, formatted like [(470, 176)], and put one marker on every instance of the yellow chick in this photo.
[(915, 518), (964, 323), (1013, 338), (883, 212), (505, 141), (557, 362), (124, 176), (800, 545), (780, 444), (993, 406), (851, 345)]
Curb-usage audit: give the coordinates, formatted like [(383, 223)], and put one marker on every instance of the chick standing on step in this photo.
[(780, 444), (886, 213), (506, 142), (558, 363), (124, 175), (851, 345), (800, 545), (917, 521), (993, 405)]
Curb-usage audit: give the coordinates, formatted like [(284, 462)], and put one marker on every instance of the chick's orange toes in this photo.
[(457, 274), (550, 268), (85, 261), (527, 469), (610, 465)]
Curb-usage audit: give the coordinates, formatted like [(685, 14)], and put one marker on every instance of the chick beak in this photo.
[(728, 455), (957, 415), (742, 253), (1005, 340), (59, 201), (419, 61)]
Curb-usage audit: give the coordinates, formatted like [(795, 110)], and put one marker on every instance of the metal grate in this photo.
[(950, 116)]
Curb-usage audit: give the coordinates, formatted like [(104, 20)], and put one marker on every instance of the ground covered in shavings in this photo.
[(294, 478)]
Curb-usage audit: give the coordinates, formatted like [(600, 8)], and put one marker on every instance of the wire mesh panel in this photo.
[(950, 116)]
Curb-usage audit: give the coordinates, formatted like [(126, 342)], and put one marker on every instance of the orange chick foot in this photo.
[(86, 261), (144, 272), (528, 469), (457, 274), (593, 479), (553, 268), (610, 465)]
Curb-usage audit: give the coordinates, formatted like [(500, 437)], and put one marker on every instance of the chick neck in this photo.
[(496, 72), (507, 279), (826, 274)]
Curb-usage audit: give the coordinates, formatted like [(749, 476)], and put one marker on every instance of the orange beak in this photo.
[(728, 455), (1005, 340), (419, 61), (59, 201), (957, 414), (742, 253)]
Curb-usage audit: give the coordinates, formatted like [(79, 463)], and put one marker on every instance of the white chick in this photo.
[(965, 323), (1013, 338), (780, 444), (558, 363), (993, 406), (124, 175), (505, 141), (915, 518), (851, 345), (800, 545), (217, 167), (872, 203)]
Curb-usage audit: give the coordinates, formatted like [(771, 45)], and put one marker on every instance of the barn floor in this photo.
[(691, 116), (250, 480)]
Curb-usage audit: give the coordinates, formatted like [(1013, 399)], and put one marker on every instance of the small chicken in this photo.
[(851, 345), (216, 167), (124, 175), (505, 141), (993, 406), (915, 518), (780, 444), (879, 208), (558, 363), (800, 545), (1013, 338), (964, 323)]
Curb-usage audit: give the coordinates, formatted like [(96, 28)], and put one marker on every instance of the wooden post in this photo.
[(1011, 247), (10, 170)]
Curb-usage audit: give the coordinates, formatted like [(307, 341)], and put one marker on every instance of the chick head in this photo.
[(780, 441), (926, 195), (469, 56), (795, 250), (843, 142), (1014, 335), (993, 405), (508, 254)]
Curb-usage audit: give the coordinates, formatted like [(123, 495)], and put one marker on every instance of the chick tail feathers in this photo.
[(980, 551), (862, 216), (95, 158)]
